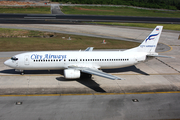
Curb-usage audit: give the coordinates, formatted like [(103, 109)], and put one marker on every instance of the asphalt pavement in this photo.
[(164, 106), (59, 18)]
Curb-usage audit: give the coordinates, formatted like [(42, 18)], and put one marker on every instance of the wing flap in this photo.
[(101, 74), (96, 72)]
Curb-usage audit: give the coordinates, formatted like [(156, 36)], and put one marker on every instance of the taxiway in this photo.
[(150, 91), (160, 74)]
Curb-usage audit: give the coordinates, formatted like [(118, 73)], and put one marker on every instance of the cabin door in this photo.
[(26, 60)]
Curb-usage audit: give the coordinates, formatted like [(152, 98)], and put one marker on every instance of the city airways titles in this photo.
[(47, 56)]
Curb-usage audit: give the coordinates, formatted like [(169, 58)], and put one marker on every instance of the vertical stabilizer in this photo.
[(150, 43)]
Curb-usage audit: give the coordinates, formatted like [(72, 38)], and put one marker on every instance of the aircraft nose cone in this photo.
[(7, 62)]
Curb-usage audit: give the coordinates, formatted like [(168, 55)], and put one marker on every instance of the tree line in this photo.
[(161, 4)]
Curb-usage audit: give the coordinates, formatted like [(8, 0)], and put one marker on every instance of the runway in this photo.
[(47, 95), (62, 19)]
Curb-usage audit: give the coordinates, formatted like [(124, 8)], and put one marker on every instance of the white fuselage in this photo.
[(54, 60)]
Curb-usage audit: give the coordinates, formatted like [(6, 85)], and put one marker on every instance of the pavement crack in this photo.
[(28, 84), (120, 87), (168, 65)]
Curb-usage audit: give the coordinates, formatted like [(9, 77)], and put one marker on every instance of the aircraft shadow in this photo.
[(88, 82), (125, 69), (28, 72)]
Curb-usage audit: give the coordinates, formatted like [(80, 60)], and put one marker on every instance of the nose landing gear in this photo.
[(21, 71)]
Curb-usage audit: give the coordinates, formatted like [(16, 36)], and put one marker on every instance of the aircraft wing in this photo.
[(96, 72), (89, 49)]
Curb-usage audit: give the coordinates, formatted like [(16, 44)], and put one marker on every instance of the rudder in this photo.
[(150, 43)]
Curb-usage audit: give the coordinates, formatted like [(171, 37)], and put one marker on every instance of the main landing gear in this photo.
[(21, 71), (85, 75)]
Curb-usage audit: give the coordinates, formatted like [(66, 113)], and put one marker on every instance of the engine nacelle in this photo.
[(72, 74)]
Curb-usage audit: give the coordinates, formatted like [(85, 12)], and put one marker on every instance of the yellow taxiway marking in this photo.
[(90, 94), (168, 50)]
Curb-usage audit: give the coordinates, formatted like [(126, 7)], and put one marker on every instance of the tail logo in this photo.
[(150, 37)]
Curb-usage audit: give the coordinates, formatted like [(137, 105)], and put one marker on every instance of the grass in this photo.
[(5, 32), (122, 11), (145, 25), (26, 9), (17, 43), (91, 10)]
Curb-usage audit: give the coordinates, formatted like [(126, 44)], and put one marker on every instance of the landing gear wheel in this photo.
[(89, 76), (85, 75), (22, 73)]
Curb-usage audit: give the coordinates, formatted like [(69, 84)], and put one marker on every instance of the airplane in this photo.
[(78, 63)]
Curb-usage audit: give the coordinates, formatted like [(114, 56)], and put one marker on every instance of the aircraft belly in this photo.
[(41, 67)]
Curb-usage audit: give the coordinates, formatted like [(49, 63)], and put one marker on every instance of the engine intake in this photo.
[(72, 74)]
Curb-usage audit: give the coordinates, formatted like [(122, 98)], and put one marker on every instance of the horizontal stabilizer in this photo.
[(160, 56)]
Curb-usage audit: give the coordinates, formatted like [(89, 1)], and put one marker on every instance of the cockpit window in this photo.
[(14, 58)]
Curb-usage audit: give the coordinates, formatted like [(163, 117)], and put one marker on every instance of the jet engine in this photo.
[(72, 74)]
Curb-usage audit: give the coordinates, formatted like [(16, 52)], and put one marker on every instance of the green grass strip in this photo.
[(24, 40), (120, 11), (26, 9)]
